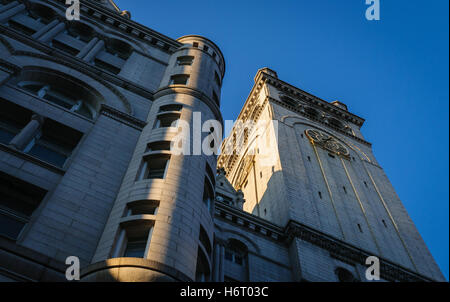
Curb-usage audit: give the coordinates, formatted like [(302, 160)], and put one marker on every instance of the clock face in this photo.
[(327, 142)]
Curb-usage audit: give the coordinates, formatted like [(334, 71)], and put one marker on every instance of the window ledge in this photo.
[(32, 159), (138, 219)]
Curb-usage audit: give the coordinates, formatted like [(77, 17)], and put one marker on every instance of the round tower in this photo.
[(161, 226)]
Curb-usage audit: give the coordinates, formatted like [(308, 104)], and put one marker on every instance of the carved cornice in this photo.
[(296, 110), (122, 117), (338, 249), (350, 254), (64, 59), (311, 99), (90, 9), (250, 222)]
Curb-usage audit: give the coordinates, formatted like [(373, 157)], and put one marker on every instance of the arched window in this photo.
[(41, 13), (33, 19), (289, 101), (344, 275), (312, 112), (202, 272), (61, 91), (335, 123), (118, 48)]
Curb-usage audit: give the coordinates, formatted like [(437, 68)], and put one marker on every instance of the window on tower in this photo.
[(154, 167), (165, 120), (179, 79), (208, 195), (185, 60)]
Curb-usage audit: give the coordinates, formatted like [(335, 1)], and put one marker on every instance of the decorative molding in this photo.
[(298, 111), (67, 60), (32, 159), (350, 254), (136, 263), (122, 117), (338, 249)]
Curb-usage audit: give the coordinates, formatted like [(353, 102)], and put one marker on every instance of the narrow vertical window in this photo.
[(360, 228)]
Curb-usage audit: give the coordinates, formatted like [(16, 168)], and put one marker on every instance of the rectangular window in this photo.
[(19, 23), (158, 146), (54, 144), (7, 133), (154, 167), (64, 47), (18, 201), (217, 78), (208, 195), (215, 98), (12, 119), (185, 60), (143, 207), (228, 255), (106, 66), (204, 240), (136, 247), (179, 79), (170, 107), (166, 120)]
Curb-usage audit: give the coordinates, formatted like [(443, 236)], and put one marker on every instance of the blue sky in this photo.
[(392, 72)]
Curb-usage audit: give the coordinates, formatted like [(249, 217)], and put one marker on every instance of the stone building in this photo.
[(87, 113)]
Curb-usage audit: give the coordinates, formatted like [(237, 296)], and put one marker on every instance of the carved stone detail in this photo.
[(327, 142)]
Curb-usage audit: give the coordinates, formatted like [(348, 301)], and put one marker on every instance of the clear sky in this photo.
[(393, 72)]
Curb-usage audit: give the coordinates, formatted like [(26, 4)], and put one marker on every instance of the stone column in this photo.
[(222, 269), (8, 6), (48, 36), (21, 140), (11, 12), (94, 51), (87, 48), (45, 29), (216, 267)]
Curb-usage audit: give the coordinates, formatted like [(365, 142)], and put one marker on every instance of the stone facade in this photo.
[(86, 169)]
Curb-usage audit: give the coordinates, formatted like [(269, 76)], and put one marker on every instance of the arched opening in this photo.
[(33, 19), (344, 275), (312, 112), (335, 123), (289, 101), (118, 48), (202, 272), (62, 91)]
